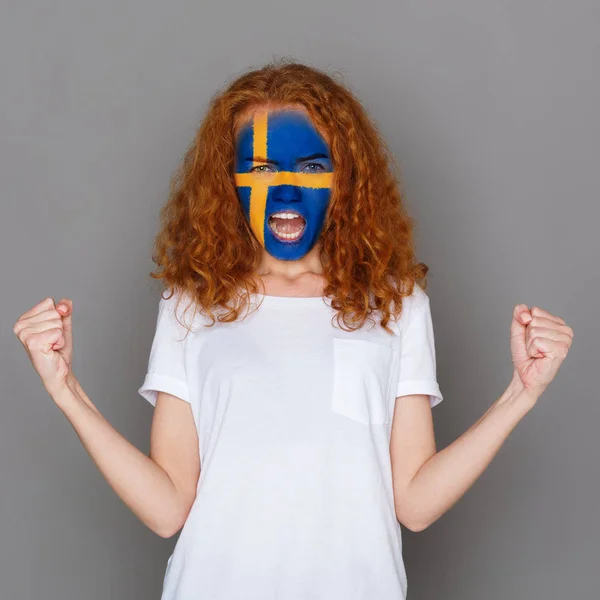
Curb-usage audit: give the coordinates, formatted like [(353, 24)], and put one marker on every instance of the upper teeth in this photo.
[(285, 215)]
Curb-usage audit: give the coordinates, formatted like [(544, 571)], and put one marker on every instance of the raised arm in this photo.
[(160, 488), (428, 483)]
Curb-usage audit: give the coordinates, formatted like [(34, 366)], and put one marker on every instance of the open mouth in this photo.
[(287, 225)]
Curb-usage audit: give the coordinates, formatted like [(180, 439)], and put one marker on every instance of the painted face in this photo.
[(283, 177)]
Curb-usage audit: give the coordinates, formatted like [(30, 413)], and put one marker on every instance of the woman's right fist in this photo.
[(46, 333)]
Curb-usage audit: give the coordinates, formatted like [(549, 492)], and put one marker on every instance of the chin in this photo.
[(282, 251)]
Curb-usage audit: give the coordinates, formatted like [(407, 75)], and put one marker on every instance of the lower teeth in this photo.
[(288, 236)]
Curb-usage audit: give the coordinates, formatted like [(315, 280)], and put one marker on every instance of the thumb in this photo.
[(65, 308), (518, 326)]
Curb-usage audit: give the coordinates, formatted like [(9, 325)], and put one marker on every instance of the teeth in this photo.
[(285, 215), (287, 236)]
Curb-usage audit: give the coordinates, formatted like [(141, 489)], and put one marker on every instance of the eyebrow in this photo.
[(274, 162)]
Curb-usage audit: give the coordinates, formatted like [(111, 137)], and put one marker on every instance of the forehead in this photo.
[(286, 129)]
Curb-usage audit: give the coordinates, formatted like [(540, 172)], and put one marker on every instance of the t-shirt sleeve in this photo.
[(166, 366), (417, 351)]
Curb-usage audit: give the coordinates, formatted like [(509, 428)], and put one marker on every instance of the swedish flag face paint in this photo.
[(283, 176)]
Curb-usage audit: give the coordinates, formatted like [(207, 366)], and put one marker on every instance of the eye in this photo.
[(319, 166), (259, 169)]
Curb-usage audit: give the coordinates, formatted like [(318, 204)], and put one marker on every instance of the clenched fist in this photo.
[(539, 343), (46, 333)]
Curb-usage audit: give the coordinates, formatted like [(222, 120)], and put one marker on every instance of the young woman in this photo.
[(292, 431)]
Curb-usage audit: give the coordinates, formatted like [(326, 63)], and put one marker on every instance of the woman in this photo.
[(292, 432)]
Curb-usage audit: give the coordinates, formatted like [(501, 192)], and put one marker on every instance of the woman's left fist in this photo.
[(539, 342)]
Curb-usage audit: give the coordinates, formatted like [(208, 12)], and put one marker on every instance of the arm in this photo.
[(159, 489), (428, 483)]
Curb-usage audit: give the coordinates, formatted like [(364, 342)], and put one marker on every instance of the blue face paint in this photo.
[(283, 165)]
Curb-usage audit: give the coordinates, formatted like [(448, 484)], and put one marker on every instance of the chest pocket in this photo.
[(362, 378)]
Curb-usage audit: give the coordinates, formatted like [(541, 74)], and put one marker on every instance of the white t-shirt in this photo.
[(294, 499)]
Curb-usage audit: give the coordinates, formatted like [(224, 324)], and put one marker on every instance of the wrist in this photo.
[(517, 393), (67, 392)]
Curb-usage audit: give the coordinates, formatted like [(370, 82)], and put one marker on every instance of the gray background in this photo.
[(492, 111)]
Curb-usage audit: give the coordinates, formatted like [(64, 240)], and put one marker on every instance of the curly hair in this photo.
[(205, 246)]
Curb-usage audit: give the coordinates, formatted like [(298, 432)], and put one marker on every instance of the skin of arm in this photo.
[(160, 488), (428, 483)]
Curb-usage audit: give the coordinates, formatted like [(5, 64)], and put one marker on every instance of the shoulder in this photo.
[(419, 297), (172, 303), (413, 302), (179, 310)]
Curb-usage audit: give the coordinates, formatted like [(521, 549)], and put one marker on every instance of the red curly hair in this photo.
[(205, 246)]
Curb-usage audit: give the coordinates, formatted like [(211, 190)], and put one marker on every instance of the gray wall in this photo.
[(492, 111)]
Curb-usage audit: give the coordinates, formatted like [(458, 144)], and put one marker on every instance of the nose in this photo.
[(287, 193)]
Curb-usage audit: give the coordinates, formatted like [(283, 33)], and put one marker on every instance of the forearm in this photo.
[(444, 478), (142, 485)]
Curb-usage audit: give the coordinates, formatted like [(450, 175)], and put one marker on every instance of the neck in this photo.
[(302, 275)]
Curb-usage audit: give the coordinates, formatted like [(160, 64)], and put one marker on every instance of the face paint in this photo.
[(283, 168)]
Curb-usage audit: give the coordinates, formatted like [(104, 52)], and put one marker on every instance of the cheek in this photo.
[(317, 201), (243, 195)]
